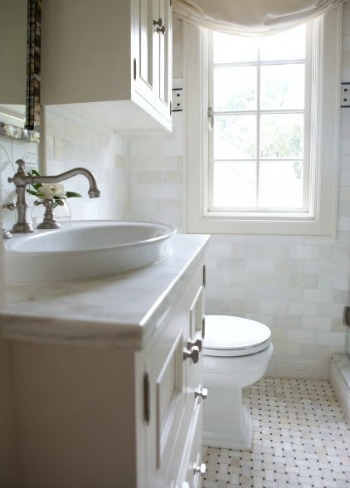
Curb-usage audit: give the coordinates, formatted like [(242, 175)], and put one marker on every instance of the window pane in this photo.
[(235, 137), (234, 184), (281, 184), (229, 49), (281, 136), (282, 86), (235, 88), (288, 45)]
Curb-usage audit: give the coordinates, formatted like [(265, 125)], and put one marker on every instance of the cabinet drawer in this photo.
[(191, 471)]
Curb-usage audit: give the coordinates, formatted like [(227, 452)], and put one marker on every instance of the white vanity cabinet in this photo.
[(101, 405), (109, 61)]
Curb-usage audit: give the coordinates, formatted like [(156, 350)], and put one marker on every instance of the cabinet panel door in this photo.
[(145, 55), (169, 400), (165, 367), (153, 54), (164, 53)]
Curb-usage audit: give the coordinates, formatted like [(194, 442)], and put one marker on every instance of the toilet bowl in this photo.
[(237, 352)]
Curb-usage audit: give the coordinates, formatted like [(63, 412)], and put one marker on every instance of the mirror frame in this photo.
[(31, 130)]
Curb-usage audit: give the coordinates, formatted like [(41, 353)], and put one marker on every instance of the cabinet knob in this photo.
[(200, 468), (201, 392), (192, 353), (158, 26), (195, 342)]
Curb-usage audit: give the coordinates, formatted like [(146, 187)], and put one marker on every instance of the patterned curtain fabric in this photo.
[(251, 17)]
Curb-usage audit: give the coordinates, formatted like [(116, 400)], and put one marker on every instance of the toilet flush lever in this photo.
[(346, 316)]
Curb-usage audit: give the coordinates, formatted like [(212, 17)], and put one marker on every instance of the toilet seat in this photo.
[(230, 336)]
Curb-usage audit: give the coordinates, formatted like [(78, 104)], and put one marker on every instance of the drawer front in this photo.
[(192, 467)]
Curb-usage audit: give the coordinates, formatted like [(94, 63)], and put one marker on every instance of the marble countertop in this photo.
[(119, 311)]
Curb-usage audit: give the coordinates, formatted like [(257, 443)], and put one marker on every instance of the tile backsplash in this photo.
[(71, 143)]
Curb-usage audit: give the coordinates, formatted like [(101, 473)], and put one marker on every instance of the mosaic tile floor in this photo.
[(301, 439)]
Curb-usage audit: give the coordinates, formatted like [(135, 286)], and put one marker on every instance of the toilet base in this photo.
[(228, 427)]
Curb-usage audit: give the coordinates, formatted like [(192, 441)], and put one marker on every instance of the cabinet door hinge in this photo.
[(204, 275), (134, 68), (146, 398), (171, 108)]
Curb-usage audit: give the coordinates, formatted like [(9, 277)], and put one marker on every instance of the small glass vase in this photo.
[(57, 214)]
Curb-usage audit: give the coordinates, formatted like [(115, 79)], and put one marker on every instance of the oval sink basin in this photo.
[(85, 249)]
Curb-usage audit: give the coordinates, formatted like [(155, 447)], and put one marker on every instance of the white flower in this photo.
[(52, 190)]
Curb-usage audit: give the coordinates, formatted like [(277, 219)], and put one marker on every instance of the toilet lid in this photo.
[(234, 336)]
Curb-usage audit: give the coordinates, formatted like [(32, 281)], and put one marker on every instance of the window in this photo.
[(262, 157), (257, 98)]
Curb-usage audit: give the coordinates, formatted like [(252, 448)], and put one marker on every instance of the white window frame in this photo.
[(320, 220)]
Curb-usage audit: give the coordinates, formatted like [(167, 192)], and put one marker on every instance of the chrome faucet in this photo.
[(21, 179)]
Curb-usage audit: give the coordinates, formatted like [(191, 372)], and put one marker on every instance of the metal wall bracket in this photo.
[(178, 103), (345, 95)]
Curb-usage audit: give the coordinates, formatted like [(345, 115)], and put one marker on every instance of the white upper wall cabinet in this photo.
[(109, 61)]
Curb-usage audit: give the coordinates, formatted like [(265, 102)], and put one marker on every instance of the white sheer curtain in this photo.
[(251, 17)]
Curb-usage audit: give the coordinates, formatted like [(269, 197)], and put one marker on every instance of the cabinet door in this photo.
[(152, 55), (145, 53), (190, 474), (165, 368), (164, 53), (171, 388)]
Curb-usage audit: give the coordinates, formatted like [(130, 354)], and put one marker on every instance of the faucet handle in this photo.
[(9, 206), (21, 164)]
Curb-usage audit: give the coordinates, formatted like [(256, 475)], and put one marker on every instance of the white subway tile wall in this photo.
[(155, 163), (71, 142)]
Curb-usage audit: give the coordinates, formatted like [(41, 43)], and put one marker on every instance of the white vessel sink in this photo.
[(85, 249)]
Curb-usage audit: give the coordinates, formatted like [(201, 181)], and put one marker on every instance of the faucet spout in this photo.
[(93, 192), (21, 180)]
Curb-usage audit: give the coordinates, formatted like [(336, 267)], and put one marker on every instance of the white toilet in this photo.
[(237, 352)]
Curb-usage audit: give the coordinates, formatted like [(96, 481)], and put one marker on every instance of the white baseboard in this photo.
[(340, 380), (300, 368)]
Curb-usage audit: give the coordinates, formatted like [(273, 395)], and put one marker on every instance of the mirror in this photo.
[(20, 41)]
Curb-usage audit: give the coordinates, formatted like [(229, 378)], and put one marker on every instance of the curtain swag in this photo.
[(251, 17)]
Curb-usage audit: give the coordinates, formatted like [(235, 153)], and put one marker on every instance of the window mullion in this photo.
[(258, 129)]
